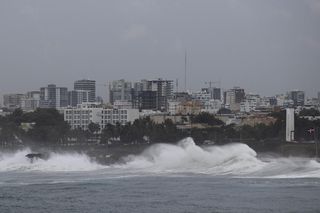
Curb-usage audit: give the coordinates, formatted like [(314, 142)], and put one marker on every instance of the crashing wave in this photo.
[(55, 163), (185, 157)]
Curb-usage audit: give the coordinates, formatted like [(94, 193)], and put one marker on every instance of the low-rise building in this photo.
[(212, 106), (202, 96), (174, 107), (86, 113), (31, 101), (251, 102), (121, 116), (122, 104), (254, 120), (12, 101), (81, 116)]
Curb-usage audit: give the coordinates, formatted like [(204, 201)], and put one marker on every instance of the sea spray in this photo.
[(186, 156), (55, 163), (234, 160)]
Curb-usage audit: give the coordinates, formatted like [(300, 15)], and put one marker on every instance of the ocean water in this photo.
[(164, 178)]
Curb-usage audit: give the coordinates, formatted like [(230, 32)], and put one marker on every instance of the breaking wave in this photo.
[(55, 163), (235, 160)]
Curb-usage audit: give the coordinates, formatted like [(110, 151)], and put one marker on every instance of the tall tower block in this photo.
[(289, 124)]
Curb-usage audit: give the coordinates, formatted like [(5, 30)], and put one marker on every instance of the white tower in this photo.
[(290, 125)]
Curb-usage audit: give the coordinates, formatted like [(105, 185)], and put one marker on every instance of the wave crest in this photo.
[(55, 163), (236, 160)]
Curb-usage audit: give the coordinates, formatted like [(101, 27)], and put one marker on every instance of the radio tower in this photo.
[(185, 71)]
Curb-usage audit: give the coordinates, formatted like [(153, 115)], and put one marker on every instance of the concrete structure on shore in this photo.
[(289, 124)]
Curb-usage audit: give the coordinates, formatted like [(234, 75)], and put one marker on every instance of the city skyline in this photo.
[(106, 95), (262, 46)]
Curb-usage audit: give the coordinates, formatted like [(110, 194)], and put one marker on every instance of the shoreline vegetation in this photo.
[(46, 129)]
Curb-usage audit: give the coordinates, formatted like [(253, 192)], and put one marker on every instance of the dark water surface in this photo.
[(188, 193), (164, 178)]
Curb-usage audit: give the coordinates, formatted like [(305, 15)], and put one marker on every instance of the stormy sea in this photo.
[(163, 178)]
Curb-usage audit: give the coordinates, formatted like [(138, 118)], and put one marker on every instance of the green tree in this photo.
[(309, 112), (206, 118), (93, 127), (224, 111)]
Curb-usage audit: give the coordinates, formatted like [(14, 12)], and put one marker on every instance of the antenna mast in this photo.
[(185, 71)]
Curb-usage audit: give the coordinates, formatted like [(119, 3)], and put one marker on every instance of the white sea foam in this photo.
[(185, 157), (233, 159), (55, 163)]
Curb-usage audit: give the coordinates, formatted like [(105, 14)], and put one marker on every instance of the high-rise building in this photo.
[(152, 94), (297, 96), (147, 100), (77, 97), (273, 101), (87, 85), (164, 91), (215, 93), (202, 96), (53, 97), (233, 98), (12, 101), (120, 90)]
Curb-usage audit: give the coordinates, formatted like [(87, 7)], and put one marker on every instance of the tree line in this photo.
[(47, 126)]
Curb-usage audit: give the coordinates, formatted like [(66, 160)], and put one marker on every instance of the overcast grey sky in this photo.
[(264, 46)]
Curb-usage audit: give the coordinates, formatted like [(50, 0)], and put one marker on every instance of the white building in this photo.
[(212, 106), (81, 116), (312, 102), (289, 124), (12, 101), (202, 96), (86, 113), (122, 104), (31, 101), (121, 116), (264, 102), (174, 107), (251, 102), (280, 99)]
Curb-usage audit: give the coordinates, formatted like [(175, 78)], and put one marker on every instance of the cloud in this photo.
[(312, 42), (315, 6), (134, 32)]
